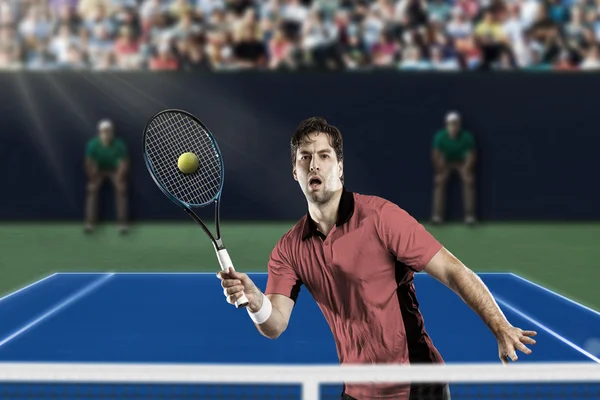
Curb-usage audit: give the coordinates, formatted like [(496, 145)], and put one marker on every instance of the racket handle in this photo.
[(225, 262)]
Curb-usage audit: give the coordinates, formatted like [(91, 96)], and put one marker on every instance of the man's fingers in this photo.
[(511, 355), (529, 333), (225, 283), (528, 340), (232, 290), (234, 284), (230, 274), (223, 275), (236, 275), (231, 299), (523, 348), (508, 352), (239, 276)]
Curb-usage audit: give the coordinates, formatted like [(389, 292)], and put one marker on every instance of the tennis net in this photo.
[(43, 381)]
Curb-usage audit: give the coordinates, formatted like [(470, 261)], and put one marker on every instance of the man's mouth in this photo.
[(314, 182)]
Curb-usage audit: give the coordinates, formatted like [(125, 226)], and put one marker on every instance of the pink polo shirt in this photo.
[(361, 276)]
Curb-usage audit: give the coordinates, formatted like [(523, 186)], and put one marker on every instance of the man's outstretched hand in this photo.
[(510, 339)]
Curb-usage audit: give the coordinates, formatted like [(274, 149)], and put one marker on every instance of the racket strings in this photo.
[(168, 136)]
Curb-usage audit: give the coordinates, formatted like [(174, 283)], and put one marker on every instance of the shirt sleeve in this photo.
[(406, 238), (282, 277)]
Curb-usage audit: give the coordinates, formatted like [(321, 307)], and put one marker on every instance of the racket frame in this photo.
[(222, 254)]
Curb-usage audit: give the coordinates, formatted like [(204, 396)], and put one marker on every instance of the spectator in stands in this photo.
[(218, 50), (299, 34), (248, 50), (164, 59), (106, 158), (354, 53), (491, 38), (10, 49), (385, 51), (320, 38), (438, 62), (281, 51), (127, 50), (453, 151), (592, 59)]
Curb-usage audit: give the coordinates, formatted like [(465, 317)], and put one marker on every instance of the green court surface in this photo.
[(562, 257)]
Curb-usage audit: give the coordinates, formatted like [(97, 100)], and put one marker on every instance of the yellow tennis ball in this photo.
[(187, 163)]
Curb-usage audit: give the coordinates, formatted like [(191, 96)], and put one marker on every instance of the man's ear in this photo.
[(294, 173), (341, 169)]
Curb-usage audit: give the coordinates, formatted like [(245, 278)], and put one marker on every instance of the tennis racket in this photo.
[(168, 135)]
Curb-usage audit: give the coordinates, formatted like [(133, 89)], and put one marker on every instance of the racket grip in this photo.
[(225, 262)]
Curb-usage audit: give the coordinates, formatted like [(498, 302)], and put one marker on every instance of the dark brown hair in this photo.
[(312, 125)]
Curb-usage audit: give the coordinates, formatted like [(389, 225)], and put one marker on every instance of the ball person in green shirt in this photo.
[(106, 158), (453, 150)]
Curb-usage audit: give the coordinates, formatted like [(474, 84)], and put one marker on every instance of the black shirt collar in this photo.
[(345, 212)]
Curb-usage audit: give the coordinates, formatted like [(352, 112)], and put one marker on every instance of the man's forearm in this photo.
[(438, 161), (440, 164), (470, 161), (122, 169), (473, 291), (274, 326), (91, 169), (277, 322)]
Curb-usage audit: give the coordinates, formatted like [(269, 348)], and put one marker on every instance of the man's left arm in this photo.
[(414, 246), (470, 160), (471, 154), (123, 166), (450, 271)]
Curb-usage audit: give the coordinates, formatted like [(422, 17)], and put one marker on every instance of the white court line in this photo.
[(478, 273), (26, 287), (545, 328), (71, 299), (154, 273), (84, 273), (556, 294)]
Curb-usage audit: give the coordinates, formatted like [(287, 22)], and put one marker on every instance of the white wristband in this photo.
[(264, 313)]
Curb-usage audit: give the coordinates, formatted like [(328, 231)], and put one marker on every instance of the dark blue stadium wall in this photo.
[(537, 134)]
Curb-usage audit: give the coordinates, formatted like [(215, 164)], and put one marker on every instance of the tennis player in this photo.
[(357, 255)]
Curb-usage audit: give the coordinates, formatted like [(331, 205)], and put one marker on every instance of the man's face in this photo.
[(453, 127), (106, 135), (317, 169)]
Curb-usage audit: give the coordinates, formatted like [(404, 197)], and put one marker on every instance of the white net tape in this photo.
[(467, 381)]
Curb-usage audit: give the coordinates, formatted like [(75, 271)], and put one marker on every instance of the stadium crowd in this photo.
[(299, 34)]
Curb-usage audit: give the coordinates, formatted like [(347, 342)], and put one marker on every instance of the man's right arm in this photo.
[(277, 322), (271, 313), (471, 155), (91, 168), (276, 308), (437, 157)]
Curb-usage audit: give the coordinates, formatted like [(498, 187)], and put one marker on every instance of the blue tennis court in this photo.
[(183, 318)]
